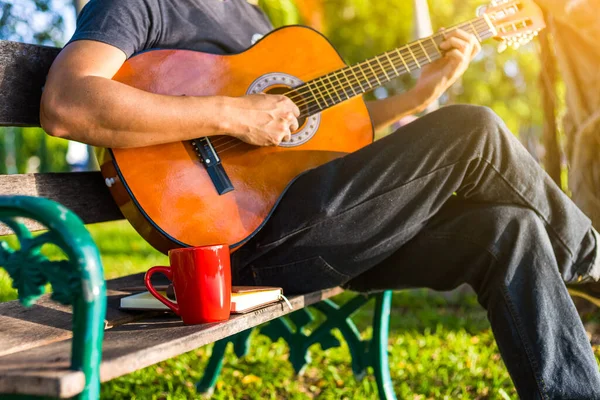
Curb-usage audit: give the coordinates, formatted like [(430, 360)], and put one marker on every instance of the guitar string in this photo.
[(222, 144), (416, 55), (474, 25), (420, 54), (424, 47), (389, 62), (408, 48), (314, 106)]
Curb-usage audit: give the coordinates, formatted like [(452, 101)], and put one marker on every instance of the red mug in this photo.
[(201, 279)]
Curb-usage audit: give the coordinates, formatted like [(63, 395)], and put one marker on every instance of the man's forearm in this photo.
[(389, 110), (107, 113)]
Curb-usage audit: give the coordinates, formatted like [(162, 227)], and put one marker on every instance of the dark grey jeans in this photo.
[(451, 198)]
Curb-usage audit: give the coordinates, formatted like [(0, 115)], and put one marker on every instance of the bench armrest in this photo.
[(78, 281)]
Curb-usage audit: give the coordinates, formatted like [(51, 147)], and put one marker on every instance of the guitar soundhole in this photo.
[(296, 97), (281, 83)]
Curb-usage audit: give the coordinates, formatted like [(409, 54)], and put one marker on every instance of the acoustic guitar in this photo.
[(218, 189)]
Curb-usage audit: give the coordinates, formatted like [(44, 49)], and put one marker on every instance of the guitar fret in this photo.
[(475, 31), (383, 69), (424, 51), (333, 87), (374, 73), (413, 56), (348, 81), (435, 45), (392, 64), (357, 80), (313, 94), (365, 75), (341, 85), (402, 59), (324, 96)]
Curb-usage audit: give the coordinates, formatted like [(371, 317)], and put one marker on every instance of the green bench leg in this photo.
[(241, 343), (77, 281), (379, 346), (291, 328)]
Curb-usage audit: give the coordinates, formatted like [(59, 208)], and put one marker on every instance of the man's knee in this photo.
[(471, 114)]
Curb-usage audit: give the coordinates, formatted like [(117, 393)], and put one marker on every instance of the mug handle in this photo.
[(169, 274)]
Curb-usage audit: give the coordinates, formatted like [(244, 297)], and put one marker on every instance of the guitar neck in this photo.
[(343, 84)]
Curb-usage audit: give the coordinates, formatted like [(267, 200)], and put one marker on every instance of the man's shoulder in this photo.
[(122, 24)]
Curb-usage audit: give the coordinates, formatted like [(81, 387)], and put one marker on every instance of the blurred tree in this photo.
[(33, 21), (575, 26), (281, 12), (26, 150)]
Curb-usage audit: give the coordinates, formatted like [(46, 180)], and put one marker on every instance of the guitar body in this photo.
[(165, 190)]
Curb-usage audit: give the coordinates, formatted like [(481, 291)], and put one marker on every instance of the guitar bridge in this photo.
[(211, 161)]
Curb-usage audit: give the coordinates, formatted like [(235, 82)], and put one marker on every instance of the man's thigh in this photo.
[(346, 216)]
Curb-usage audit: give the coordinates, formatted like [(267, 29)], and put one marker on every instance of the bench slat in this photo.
[(61, 382), (23, 70), (132, 346), (83, 192), (48, 322)]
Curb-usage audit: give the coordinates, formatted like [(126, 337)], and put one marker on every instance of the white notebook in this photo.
[(243, 299)]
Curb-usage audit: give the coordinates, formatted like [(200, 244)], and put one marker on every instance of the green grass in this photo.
[(439, 349)]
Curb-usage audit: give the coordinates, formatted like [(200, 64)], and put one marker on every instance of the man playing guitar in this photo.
[(451, 198)]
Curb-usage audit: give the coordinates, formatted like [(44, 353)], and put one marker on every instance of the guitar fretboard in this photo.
[(343, 84)]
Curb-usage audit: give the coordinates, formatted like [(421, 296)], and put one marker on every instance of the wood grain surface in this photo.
[(23, 70), (46, 322), (85, 193), (130, 343)]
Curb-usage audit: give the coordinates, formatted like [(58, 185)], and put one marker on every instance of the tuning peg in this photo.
[(502, 47)]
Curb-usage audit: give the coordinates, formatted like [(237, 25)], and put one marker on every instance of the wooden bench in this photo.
[(66, 350)]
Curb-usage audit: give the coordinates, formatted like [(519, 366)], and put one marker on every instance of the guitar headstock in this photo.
[(516, 22)]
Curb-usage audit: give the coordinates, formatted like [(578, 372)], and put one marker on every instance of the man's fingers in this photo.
[(285, 136), (290, 105), (455, 43), (476, 49), (294, 125), (455, 54), (296, 110), (466, 41), (292, 122), (461, 34)]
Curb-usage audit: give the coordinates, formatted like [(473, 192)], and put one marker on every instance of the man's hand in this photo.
[(459, 48), (264, 119)]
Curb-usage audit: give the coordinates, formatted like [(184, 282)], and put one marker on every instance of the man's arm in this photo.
[(81, 102), (459, 49)]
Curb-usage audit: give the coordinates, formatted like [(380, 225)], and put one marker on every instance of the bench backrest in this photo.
[(23, 70)]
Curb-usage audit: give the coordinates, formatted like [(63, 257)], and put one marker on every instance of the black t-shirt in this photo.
[(212, 26)]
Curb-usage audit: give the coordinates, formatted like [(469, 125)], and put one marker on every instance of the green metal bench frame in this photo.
[(365, 353), (79, 281)]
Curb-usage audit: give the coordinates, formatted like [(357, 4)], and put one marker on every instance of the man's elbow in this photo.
[(55, 118)]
